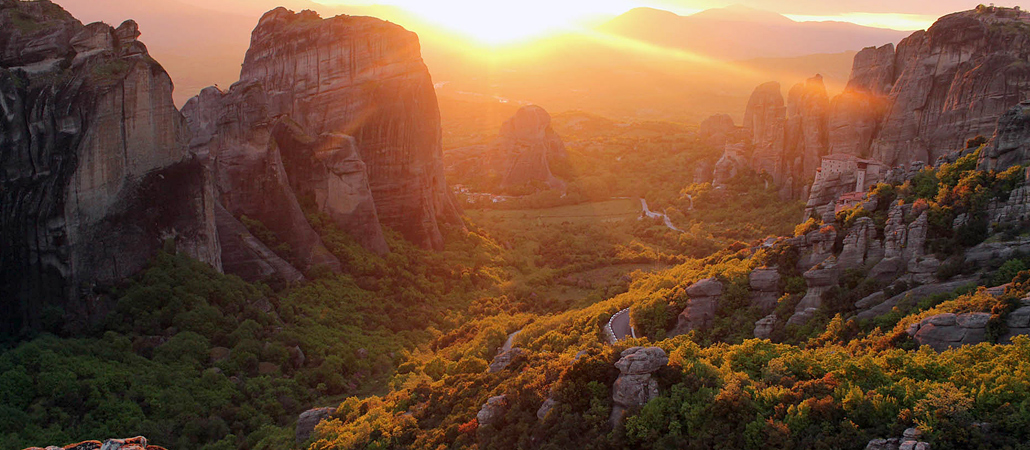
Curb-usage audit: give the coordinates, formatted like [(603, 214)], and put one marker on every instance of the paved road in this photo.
[(508, 343), (653, 215), (620, 326)]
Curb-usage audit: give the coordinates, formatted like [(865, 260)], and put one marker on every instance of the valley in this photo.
[(366, 239)]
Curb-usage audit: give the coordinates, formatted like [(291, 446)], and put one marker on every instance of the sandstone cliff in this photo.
[(526, 147), (361, 77), (96, 174), (911, 105), (953, 83)]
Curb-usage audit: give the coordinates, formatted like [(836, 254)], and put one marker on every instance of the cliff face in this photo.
[(911, 106), (96, 172), (807, 137), (782, 139), (953, 83), (361, 77), (232, 131), (526, 147), (765, 122)]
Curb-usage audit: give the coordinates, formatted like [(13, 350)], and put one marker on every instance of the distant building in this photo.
[(848, 200), (867, 172)]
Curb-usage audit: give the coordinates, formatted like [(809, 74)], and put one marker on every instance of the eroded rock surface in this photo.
[(365, 78), (526, 148), (704, 299), (97, 176), (635, 386)]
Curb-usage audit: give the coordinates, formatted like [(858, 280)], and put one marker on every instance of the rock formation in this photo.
[(819, 279), (765, 288), (916, 104), (308, 420), (765, 123), (856, 113), (908, 441), (961, 75), (807, 139), (97, 177), (234, 133), (526, 148), (336, 116), (1011, 143), (365, 78), (136, 443), (493, 410), (635, 385), (704, 299)]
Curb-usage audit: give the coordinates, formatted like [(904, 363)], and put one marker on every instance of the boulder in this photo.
[(493, 410), (943, 331), (503, 359), (701, 306), (308, 420), (708, 287), (765, 288), (641, 360), (766, 279), (764, 327), (635, 386), (546, 408)]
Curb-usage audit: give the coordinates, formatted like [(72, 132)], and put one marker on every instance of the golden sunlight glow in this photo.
[(496, 23), (879, 20)]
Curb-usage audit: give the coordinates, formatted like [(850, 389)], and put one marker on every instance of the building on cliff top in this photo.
[(867, 172)]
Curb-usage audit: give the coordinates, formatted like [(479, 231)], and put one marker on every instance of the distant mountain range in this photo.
[(739, 32), (201, 43)]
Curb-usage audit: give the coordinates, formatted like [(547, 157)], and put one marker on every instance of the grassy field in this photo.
[(584, 213)]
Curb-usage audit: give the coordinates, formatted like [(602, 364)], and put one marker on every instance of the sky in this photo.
[(493, 21)]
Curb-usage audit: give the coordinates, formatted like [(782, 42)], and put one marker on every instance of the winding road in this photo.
[(655, 215), (619, 327)]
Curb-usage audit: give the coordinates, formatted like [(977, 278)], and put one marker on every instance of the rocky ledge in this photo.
[(136, 443)]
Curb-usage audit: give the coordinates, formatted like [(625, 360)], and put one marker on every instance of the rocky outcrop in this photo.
[(635, 385), (365, 78), (953, 83), (807, 138), (878, 304), (765, 124), (310, 419), (97, 177), (504, 359), (819, 279), (861, 238), (246, 256), (856, 113), (703, 301), (764, 327), (908, 441), (1011, 143), (526, 148), (493, 410), (718, 130), (944, 331), (136, 443), (765, 288), (233, 132)]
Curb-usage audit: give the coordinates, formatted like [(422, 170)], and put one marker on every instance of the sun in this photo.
[(493, 22)]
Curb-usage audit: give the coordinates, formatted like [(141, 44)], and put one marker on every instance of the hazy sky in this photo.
[(528, 17)]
